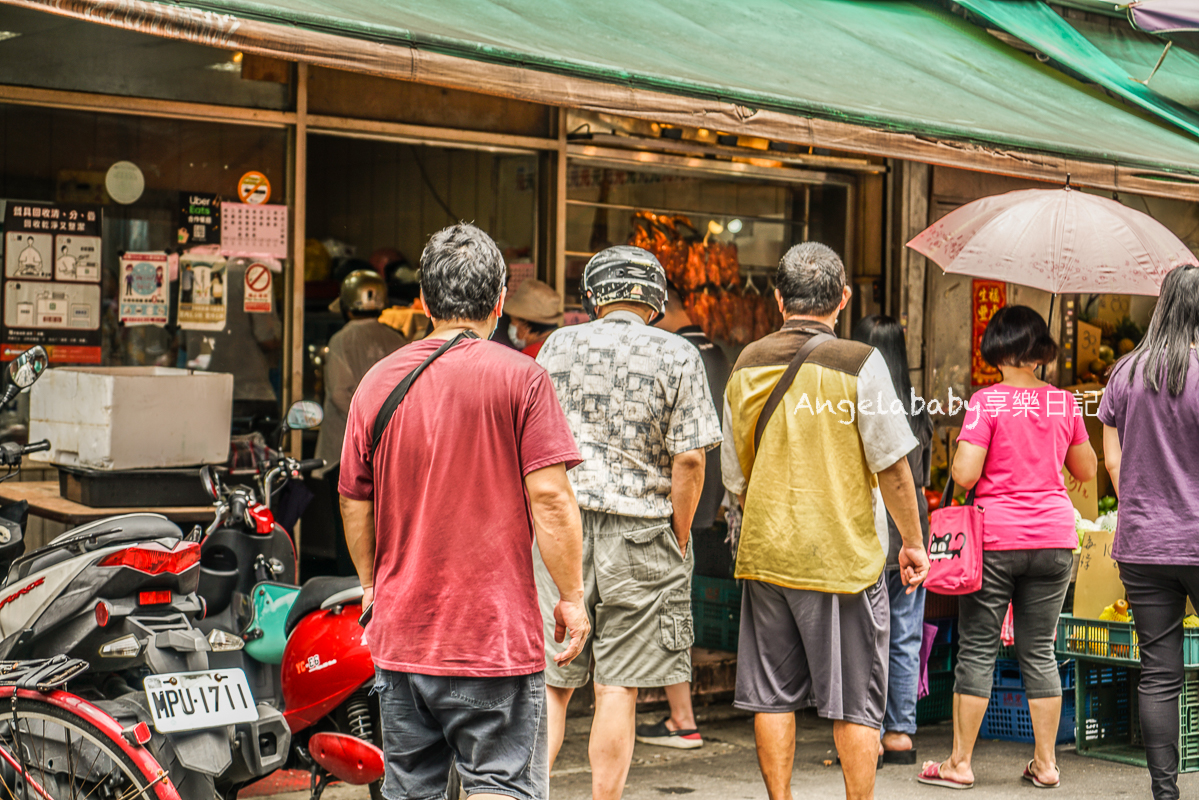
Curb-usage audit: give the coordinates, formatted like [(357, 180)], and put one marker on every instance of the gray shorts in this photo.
[(496, 728), (803, 649), (1035, 583), (637, 589)]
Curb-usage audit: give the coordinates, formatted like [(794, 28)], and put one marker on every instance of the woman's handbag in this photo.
[(955, 546)]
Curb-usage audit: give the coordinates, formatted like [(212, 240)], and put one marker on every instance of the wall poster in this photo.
[(145, 288), (51, 292), (202, 294)]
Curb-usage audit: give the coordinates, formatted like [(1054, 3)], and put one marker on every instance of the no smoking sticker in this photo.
[(258, 289), (254, 188)]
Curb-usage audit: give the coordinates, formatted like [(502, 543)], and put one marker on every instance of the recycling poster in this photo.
[(145, 288), (52, 281)]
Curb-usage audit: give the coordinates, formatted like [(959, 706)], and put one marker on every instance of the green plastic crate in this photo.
[(1108, 723), (937, 705), (1112, 642), (716, 612)]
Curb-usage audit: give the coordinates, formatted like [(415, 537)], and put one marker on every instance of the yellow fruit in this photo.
[(1125, 346), (1098, 366), (1107, 354), (1190, 621)]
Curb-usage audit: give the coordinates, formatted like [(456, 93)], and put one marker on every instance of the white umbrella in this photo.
[(1058, 240)]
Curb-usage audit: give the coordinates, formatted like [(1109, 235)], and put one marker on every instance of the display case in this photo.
[(719, 229)]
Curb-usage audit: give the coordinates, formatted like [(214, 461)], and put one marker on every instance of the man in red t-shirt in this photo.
[(441, 515)]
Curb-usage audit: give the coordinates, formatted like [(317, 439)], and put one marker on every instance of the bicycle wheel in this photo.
[(50, 752)]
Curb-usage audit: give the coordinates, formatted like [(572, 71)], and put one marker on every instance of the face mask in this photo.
[(514, 337)]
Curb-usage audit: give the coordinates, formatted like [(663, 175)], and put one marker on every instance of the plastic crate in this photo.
[(947, 629), (1113, 642), (1008, 718), (937, 705), (1108, 718), (942, 658), (722, 591), (716, 612), (1007, 674), (940, 606)]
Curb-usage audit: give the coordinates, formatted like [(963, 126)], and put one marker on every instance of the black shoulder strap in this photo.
[(780, 388), (397, 394)]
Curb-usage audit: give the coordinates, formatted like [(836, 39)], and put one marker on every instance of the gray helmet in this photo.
[(623, 274), (363, 291)]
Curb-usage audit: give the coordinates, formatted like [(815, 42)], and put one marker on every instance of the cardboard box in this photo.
[(114, 418)]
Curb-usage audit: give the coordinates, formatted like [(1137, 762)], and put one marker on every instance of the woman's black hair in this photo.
[(1017, 336), (1173, 331), (885, 335), (537, 328)]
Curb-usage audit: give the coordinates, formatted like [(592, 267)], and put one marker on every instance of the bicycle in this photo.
[(57, 746)]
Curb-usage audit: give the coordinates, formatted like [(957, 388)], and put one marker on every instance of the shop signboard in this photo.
[(988, 297), (202, 292), (145, 287), (199, 218), (52, 281)]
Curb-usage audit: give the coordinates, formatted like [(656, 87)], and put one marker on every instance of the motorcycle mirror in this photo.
[(26, 368), (305, 415), (212, 483)]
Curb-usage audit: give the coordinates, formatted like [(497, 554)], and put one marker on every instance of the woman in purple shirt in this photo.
[(1150, 414)]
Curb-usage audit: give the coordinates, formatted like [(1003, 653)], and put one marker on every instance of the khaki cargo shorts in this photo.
[(637, 590)]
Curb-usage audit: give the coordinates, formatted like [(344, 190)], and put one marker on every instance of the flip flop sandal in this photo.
[(1030, 776), (906, 757), (931, 776)]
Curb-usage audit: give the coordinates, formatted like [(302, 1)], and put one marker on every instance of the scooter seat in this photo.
[(94, 536), (313, 593)]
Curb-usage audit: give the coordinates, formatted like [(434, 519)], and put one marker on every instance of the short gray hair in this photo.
[(461, 273), (811, 280)]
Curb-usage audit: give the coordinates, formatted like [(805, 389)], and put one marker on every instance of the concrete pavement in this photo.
[(725, 768)]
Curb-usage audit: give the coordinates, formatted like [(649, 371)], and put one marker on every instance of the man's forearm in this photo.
[(686, 485), (899, 496), (558, 529), (358, 519)]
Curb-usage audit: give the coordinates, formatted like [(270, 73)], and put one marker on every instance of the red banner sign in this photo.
[(988, 297)]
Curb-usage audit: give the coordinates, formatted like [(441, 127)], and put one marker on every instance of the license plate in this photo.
[(188, 701)]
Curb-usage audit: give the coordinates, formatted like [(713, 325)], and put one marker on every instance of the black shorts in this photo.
[(494, 727), (805, 649)]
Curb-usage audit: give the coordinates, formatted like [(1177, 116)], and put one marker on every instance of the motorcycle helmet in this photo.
[(363, 292), (623, 274)]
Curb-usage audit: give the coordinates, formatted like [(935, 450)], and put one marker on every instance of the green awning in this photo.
[(895, 67), (1041, 27), (1137, 53)]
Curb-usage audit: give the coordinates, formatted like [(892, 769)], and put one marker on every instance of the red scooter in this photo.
[(303, 650)]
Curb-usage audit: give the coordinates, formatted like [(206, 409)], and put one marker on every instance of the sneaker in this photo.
[(662, 736)]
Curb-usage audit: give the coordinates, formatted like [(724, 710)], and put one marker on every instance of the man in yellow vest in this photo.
[(816, 466)]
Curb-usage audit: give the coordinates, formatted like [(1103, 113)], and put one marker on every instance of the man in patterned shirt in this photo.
[(637, 401)]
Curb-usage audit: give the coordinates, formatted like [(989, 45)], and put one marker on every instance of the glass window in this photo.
[(62, 157), (720, 238)]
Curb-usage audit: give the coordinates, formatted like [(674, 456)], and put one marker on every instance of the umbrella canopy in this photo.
[(1174, 19), (1058, 240)]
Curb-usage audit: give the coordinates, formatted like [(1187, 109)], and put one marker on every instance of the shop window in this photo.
[(720, 238), (61, 159), (51, 52)]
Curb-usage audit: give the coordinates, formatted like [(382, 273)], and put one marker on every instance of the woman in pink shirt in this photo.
[(1015, 439)]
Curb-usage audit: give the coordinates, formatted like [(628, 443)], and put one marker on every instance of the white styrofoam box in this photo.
[(132, 417)]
